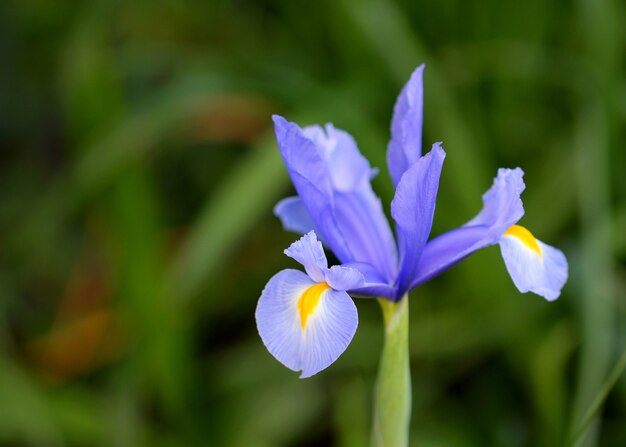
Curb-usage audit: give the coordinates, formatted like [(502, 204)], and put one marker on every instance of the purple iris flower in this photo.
[(307, 321)]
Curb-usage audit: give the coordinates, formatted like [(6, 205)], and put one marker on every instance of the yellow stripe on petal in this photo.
[(525, 236), (309, 301)]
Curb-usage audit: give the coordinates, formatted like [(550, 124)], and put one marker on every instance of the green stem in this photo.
[(392, 396)]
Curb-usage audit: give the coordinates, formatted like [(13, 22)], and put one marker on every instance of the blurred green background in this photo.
[(137, 177)]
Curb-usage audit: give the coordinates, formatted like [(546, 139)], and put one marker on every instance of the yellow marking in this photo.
[(525, 236), (309, 301)]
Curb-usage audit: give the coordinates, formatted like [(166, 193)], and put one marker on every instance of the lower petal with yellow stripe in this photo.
[(534, 266), (307, 320)]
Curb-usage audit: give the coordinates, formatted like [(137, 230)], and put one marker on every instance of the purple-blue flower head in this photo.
[(336, 202)]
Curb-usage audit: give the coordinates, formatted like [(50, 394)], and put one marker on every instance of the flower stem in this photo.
[(392, 396)]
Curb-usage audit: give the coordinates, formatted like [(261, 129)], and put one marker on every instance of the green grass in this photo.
[(137, 179)]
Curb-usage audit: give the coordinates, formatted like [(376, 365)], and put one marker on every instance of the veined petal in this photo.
[(305, 336), (329, 332), (405, 146), (293, 215), (333, 182), (502, 208), (309, 252), (534, 266), (413, 208)]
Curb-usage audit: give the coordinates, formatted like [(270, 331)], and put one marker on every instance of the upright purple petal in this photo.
[(308, 251), (310, 177), (333, 182), (358, 211), (348, 169), (405, 146), (502, 208), (413, 208)]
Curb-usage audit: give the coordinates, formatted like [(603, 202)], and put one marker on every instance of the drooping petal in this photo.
[(533, 266), (278, 319), (405, 146), (309, 252), (344, 278), (413, 208), (328, 332), (333, 182), (502, 208), (305, 325), (293, 215)]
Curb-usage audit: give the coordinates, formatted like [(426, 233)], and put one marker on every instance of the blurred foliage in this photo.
[(137, 178)]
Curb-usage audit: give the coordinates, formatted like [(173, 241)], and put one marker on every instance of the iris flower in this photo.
[(307, 320)]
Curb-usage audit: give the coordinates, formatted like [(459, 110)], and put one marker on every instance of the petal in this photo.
[(375, 290), (533, 266), (374, 285), (333, 182), (301, 155), (360, 217), (344, 278), (308, 173), (502, 208), (446, 250), (348, 169), (309, 252), (329, 332), (293, 215), (405, 147), (311, 346), (358, 211), (413, 208), (502, 203)]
